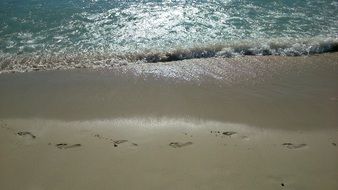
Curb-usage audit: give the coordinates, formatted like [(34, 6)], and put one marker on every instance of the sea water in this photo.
[(68, 31)]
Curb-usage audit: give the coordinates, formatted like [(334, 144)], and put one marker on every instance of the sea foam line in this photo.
[(53, 61)]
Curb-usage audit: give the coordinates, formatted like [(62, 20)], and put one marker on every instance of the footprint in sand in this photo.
[(26, 134), (225, 133), (117, 142), (66, 146), (97, 136), (101, 137), (229, 133), (5, 126), (180, 144), (134, 144), (20, 133), (293, 146)]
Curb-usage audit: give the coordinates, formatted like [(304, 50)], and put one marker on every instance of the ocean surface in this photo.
[(40, 33)]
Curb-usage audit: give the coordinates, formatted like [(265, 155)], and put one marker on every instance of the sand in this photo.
[(242, 123), (162, 153)]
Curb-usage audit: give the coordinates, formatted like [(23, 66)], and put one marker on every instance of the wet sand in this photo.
[(239, 123)]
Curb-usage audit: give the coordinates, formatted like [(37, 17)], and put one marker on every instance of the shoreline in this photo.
[(23, 64), (246, 123)]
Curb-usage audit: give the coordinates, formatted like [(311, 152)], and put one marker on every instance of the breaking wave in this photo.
[(277, 47), (242, 48)]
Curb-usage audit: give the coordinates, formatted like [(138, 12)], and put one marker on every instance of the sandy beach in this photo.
[(164, 153), (218, 123)]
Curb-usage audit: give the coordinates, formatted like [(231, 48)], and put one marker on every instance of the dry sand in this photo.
[(163, 153), (244, 123)]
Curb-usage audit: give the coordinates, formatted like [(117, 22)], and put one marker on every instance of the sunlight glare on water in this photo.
[(79, 32)]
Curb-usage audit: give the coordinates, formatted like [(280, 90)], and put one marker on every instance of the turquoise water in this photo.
[(179, 29)]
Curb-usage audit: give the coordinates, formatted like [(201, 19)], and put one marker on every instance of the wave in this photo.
[(280, 47), (277, 47)]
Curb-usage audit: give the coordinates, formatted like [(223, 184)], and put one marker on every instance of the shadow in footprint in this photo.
[(293, 146), (117, 142), (180, 144), (66, 146), (229, 133), (26, 134)]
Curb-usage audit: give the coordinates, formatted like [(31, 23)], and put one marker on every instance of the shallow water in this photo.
[(41, 32)]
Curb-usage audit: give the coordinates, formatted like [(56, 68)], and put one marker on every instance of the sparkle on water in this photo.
[(139, 26)]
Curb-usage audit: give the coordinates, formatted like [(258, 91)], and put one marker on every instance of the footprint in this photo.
[(26, 133), (101, 137), (215, 132), (117, 142), (66, 146), (225, 133), (179, 144), (97, 136), (293, 146), (229, 133), (5, 126)]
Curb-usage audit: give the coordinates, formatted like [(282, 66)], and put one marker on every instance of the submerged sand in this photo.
[(242, 123)]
